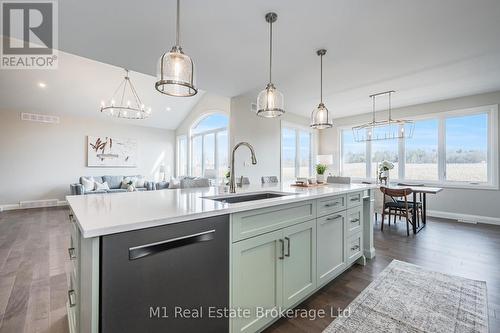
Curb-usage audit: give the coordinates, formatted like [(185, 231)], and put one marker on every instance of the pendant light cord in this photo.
[(390, 106), (321, 79), (270, 50), (177, 34), (373, 98)]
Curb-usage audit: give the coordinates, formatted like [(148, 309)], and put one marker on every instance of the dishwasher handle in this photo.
[(142, 251)]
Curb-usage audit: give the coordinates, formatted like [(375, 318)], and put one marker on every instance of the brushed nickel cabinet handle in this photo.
[(72, 254), (333, 217), (354, 199), (282, 242), (71, 217), (71, 298), (287, 247), (354, 220), (355, 247)]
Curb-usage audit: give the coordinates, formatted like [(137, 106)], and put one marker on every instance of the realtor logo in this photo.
[(29, 35)]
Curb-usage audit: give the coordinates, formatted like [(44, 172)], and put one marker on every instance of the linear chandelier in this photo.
[(128, 105), (383, 129), (270, 102), (175, 69), (320, 117)]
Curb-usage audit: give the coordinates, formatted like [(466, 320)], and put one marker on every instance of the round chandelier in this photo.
[(176, 70), (320, 117), (270, 102), (125, 102)]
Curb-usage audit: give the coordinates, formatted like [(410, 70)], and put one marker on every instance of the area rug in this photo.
[(409, 298)]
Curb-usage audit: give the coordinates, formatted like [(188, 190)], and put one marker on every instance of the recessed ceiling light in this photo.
[(169, 108), (42, 84)]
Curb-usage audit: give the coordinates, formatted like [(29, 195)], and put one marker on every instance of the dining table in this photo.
[(424, 190)]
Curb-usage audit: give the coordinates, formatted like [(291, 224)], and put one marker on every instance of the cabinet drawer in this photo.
[(331, 205), (354, 247), (354, 199), (257, 222), (354, 220)]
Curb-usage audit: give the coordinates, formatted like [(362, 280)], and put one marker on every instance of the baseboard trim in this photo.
[(17, 206), (465, 218)]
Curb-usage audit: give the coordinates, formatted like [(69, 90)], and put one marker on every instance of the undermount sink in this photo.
[(235, 198)]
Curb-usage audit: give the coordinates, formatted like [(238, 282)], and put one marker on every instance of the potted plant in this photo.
[(383, 171), (320, 171)]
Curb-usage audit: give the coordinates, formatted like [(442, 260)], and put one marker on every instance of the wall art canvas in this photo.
[(111, 152)]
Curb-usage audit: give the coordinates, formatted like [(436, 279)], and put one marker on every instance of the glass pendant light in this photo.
[(125, 102), (270, 102), (320, 117), (383, 129), (176, 70)]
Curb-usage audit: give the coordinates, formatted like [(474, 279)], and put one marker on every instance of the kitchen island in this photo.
[(182, 260)]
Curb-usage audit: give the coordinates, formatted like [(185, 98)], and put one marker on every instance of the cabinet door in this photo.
[(256, 278), (331, 231), (299, 265)]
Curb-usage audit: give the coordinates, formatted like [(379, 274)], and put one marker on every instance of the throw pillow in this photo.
[(175, 182), (140, 181), (101, 187), (131, 188), (88, 183), (127, 181)]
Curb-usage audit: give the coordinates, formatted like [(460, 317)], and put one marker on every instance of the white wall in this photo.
[(263, 134), (39, 161), (483, 203)]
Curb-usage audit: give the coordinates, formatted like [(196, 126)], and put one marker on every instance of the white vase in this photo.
[(320, 178)]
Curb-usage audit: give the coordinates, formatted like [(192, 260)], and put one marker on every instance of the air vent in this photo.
[(39, 118), (38, 203), (253, 107)]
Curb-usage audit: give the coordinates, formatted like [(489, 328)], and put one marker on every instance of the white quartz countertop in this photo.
[(103, 214)]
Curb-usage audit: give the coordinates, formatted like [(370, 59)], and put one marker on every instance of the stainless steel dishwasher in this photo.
[(166, 279)]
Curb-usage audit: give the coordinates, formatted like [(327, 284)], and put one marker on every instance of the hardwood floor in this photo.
[(34, 262)]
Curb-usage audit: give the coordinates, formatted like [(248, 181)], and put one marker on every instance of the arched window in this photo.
[(209, 146)]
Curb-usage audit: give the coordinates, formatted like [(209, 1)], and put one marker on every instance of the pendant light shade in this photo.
[(320, 117), (176, 70), (270, 102), (125, 102)]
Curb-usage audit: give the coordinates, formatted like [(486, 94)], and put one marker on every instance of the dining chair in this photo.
[(338, 180), (419, 201), (269, 179), (243, 181), (398, 206)]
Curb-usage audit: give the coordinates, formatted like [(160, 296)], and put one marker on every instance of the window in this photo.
[(422, 151), (384, 150), (182, 156), (296, 152), (209, 147), (353, 156), (467, 148), (449, 148)]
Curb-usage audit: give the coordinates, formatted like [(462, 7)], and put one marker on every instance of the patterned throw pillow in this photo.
[(127, 181)]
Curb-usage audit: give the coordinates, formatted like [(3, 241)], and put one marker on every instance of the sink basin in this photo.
[(235, 198)]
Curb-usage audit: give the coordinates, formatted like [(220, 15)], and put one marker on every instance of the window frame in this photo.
[(312, 149), (178, 172), (492, 153)]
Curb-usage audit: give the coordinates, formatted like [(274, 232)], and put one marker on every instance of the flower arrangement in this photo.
[(385, 166)]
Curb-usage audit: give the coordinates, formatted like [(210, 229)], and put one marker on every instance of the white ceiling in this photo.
[(425, 49), (78, 86)]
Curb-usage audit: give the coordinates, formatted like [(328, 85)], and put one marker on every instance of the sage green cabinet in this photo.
[(299, 265), (276, 269), (331, 246)]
